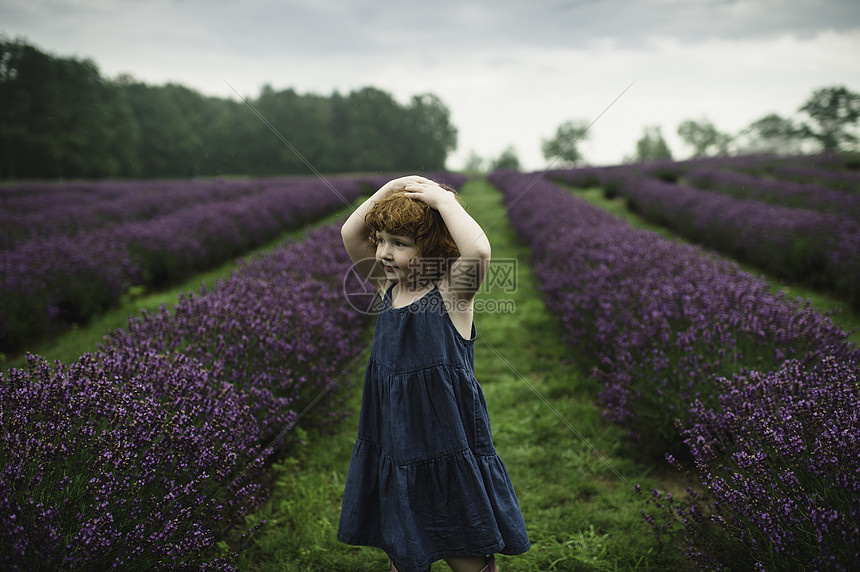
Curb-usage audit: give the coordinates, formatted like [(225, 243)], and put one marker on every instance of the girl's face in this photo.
[(395, 252)]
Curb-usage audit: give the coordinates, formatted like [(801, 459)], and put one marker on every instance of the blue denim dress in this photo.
[(425, 482)]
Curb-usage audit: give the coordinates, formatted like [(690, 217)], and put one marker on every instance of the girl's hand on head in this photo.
[(430, 193), (402, 182)]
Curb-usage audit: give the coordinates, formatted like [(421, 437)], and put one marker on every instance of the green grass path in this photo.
[(571, 470)]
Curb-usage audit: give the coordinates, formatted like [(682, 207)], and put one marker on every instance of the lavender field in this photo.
[(804, 229), (753, 395), (150, 451)]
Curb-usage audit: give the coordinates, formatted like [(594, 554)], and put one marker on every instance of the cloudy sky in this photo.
[(510, 71)]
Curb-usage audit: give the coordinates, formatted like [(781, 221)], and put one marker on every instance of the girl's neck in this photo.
[(423, 281), (415, 287), (403, 295)]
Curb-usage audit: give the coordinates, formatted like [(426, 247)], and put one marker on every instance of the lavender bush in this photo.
[(449, 178), (820, 249), (825, 173), (145, 453), (280, 328), (817, 248), (49, 282), (29, 211), (836, 171), (783, 193), (846, 181), (779, 458), (41, 210), (121, 460)]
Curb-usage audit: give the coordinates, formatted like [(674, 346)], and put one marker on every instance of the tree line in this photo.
[(826, 122), (61, 119)]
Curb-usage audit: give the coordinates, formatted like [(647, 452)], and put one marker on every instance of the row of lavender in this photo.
[(792, 182), (840, 172), (783, 193), (41, 210), (821, 249), (145, 453), (837, 172), (49, 282), (676, 335)]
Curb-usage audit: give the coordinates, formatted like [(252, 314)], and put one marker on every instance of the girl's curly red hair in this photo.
[(406, 216)]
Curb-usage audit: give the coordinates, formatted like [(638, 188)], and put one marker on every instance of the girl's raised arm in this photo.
[(467, 273), (356, 234)]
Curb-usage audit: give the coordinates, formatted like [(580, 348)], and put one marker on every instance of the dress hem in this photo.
[(497, 548)]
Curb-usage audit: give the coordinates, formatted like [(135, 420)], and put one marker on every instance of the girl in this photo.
[(425, 482)]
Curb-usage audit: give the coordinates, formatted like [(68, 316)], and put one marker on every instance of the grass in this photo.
[(571, 471), (841, 312)]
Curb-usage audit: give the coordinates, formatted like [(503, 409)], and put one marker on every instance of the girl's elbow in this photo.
[(486, 256), (350, 232), (478, 255), (485, 253)]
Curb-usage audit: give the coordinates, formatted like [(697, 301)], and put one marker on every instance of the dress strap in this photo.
[(387, 302), (388, 292)]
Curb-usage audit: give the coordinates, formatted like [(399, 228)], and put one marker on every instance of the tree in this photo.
[(169, 142), (121, 135), (430, 118), (507, 160), (562, 146), (59, 118), (773, 134), (652, 146), (704, 138), (302, 120), (833, 112), (373, 124)]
